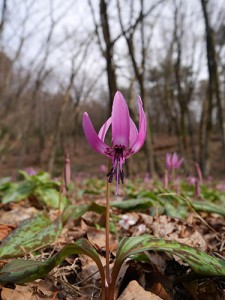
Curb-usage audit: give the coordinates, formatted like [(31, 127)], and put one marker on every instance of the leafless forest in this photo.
[(61, 58)]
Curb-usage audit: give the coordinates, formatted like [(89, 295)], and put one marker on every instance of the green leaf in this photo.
[(31, 234), (199, 261), (148, 194), (174, 205), (74, 212), (40, 177), (134, 204), (50, 197), (22, 271), (208, 207), (175, 211), (5, 180), (5, 184), (18, 191), (97, 208)]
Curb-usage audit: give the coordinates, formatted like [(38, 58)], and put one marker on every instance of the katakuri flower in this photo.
[(31, 171), (126, 139), (172, 161)]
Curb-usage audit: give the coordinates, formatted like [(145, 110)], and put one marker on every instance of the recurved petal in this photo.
[(103, 130), (142, 128), (168, 160), (91, 135), (174, 160), (120, 121), (133, 132), (179, 162)]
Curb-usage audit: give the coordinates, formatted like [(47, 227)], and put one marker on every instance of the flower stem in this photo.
[(107, 231), (173, 174)]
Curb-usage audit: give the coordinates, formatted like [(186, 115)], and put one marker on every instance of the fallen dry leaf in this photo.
[(17, 214), (5, 229), (97, 236), (135, 292), (42, 288), (10, 294), (160, 291), (174, 229)]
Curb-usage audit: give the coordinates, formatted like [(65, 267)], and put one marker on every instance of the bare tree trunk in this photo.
[(213, 91), (59, 124), (182, 99), (205, 133), (140, 72), (108, 53), (191, 136), (107, 49), (3, 13)]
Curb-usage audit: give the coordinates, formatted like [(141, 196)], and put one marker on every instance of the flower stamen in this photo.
[(117, 168)]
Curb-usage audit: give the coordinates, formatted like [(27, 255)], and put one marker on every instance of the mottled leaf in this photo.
[(5, 184), (133, 204), (175, 211), (41, 176), (97, 208), (199, 261), (18, 191), (22, 271), (51, 197), (4, 180), (208, 207), (31, 234), (173, 205), (76, 211)]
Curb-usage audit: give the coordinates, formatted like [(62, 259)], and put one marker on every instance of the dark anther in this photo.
[(110, 175), (118, 157), (122, 176)]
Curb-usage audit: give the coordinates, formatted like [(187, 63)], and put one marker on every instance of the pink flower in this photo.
[(221, 187), (126, 139), (31, 171), (172, 161), (192, 180), (103, 169), (147, 177)]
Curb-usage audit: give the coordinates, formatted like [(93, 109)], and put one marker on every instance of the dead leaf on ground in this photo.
[(135, 292), (17, 214), (175, 229), (89, 277), (91, 218), (96, 236), (42, 288), (160, 291), (5, 229), (10, 294)]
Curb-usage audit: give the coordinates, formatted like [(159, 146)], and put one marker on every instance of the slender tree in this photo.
[(106, 45), (213, 93), (140, 68)]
